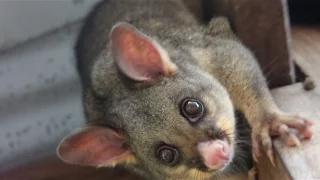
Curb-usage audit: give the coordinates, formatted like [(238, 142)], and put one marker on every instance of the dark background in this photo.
[(304, 11)]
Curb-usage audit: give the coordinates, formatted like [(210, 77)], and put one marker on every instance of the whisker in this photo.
[(237, 168), (270, 71), (243, 142), (271, 63), (224, 122)]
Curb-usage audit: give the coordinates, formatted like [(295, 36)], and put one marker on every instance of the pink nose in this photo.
[(215, 153)]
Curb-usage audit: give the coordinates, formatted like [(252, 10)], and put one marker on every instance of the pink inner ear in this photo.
[(136, 55), (92, 146)]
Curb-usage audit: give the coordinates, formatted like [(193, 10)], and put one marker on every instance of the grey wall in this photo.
[(21, 20), (40, 94)]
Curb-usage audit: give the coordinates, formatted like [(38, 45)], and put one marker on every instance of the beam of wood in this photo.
[(303, 162), (306, 50), (263, 26), (54, 169), (296, 162)]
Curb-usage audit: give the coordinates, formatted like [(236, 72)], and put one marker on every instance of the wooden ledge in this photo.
[(298, 163), (51, 168)]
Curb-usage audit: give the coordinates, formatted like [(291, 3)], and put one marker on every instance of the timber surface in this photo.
[(302, 162), (299, 163), (306, 50), (51, 168), (263, 26)]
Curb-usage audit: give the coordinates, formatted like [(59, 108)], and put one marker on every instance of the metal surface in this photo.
[(21, 20), (40, 94), (40, 97)]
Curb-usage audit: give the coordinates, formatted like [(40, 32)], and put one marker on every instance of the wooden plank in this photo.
[(52, 168), (263, 26), (301, 162), (306, 48)]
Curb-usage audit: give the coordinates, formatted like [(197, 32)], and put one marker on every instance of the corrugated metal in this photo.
[(40, 97), (40, 94), (21, 20)]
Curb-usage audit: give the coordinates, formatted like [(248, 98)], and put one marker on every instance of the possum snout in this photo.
[(216, 154)]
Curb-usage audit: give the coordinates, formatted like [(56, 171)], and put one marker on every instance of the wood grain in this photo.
[(295, 162), (263, 26), (301, 162), (306, 50), (51, 168)]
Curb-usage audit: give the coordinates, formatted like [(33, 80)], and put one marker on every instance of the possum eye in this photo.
[(167, 155), (192, 110)]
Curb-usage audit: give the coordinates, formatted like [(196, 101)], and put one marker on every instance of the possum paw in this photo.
[(291, 127)]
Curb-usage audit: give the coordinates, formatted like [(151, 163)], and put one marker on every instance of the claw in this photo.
[(307, 134), (290, 138), (255, 158), (256, 154), (291, 128), (271, 157), (255, 149), (293, 140), (284, 130)]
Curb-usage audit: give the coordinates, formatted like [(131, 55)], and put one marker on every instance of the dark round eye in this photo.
[(192, 109), (167, 155)]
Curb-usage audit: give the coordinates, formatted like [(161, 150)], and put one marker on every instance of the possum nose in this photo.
[(216, 153)]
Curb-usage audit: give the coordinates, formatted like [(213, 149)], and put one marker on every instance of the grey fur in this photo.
[(213, 66)]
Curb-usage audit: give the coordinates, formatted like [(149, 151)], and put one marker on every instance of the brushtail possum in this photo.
[(160, 92)]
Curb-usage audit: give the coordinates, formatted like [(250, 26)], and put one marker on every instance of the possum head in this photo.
[(180, 126)]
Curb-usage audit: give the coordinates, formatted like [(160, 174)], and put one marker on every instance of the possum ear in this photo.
[(138, 56), (94, 146)]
